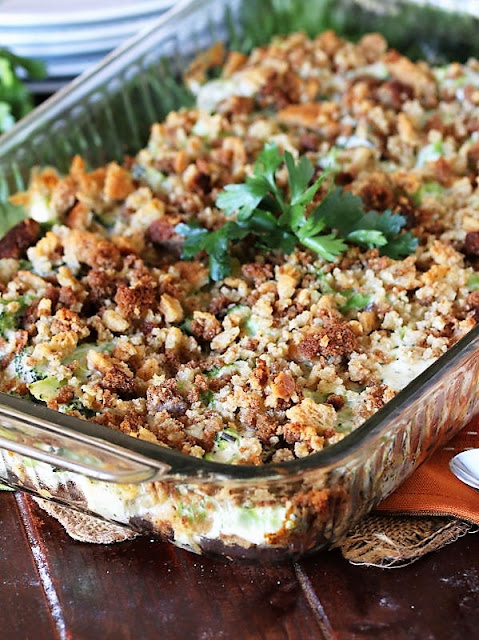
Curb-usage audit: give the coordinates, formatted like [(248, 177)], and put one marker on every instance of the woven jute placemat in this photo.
[(378, 540), (396, 541)]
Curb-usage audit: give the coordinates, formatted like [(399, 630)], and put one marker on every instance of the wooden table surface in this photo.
[(52, 588)]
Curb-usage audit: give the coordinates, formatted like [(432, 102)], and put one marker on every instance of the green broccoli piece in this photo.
[(15, 100), (427, 189), (80, 356), (76, 406), (473, 282), (10, 320), (46, 389), (25, 372)]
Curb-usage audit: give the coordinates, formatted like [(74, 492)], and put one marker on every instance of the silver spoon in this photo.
[(465, 466)]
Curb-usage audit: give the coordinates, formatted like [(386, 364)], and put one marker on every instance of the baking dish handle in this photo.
[(43, 440)]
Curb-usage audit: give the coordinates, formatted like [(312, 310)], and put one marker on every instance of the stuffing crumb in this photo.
[(290, 353)]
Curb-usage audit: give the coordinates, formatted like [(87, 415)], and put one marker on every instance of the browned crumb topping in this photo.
[(101, 317)]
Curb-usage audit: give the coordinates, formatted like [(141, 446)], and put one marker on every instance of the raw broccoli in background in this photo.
[(15, 99)]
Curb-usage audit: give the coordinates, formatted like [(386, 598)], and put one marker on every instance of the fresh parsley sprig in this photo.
[(277, 218)]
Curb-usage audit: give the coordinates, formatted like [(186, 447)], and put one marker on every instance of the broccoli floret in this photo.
[(149, 176), (473, 282), (355, 300), (207, 398), (40, 209), (239, 309), (428, 189), (25, 265), (24, 371), (217, 372), (185, 326), (45, 389), (430, 153), (81, 352), (226, 447), (248, 324), (107, 220), (9, 320), (315, 395), (80, 355), (76, 406)]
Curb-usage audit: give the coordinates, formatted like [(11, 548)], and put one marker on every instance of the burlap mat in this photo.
[(83, 527), (396, 541), (377, 541)]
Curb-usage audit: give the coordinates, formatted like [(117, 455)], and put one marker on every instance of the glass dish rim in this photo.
[(184, 464), (197, 468)]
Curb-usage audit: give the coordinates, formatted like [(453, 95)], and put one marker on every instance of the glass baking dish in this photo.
[(277, 510)]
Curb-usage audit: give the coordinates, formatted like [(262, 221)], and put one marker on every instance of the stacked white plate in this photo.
[(71, 35)]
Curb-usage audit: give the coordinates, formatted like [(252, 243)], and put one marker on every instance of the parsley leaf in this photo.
[(265, 169), (299, 176), (264, 225), (340, 210), (243, 198), (344, 212), (215, 243), (327, 246), (277, 218), (388, 223), (401, 246), (194, 238), (367, 237)]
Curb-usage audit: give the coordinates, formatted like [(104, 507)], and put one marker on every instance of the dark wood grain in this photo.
[(437, 598), (145, 589), (148, 589), (25, 614)]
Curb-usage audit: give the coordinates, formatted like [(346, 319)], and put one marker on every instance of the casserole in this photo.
[(282, 508)]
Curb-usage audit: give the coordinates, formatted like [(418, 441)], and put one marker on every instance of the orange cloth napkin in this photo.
[(433, 489)]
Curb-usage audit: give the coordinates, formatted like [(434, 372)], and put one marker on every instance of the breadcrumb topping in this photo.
[(101, 318)]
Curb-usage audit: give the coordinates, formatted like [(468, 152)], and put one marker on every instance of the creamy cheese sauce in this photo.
[(399, 373)]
